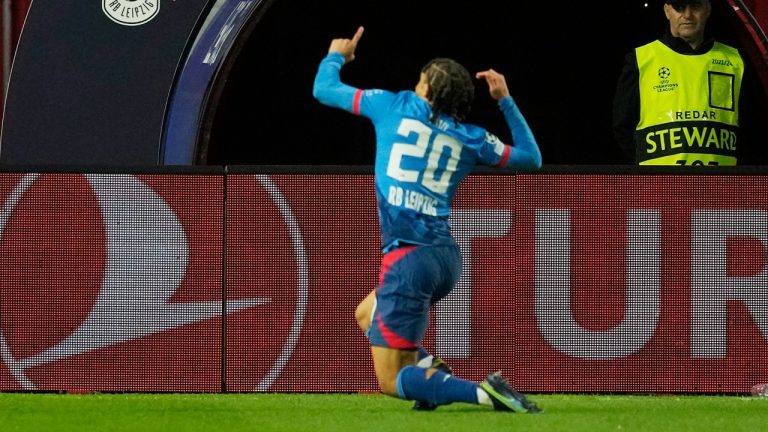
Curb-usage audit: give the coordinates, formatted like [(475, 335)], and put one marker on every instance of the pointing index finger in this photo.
[(358, 35), (485, 75)]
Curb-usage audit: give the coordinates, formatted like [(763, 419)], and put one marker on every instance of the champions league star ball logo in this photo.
[(664, 84), (131, 12)]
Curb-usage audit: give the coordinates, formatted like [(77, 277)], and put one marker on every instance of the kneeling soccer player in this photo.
[(423, 152)]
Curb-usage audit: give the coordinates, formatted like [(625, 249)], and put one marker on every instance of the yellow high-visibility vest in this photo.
[(689, 106)]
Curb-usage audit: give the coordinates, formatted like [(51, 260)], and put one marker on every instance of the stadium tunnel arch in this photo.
[(561, 64)]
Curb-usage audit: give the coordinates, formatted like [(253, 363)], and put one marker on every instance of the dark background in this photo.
[(561, 60)]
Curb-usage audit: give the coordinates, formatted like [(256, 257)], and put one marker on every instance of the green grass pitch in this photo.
[(372, 412)]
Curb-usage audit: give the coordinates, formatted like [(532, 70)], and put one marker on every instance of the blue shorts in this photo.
[(411, 280)]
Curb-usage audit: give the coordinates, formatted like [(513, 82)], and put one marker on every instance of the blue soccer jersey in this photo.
[(419, 164)]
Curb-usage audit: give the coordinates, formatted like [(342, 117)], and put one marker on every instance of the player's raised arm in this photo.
[(524, 152), (328, 88)]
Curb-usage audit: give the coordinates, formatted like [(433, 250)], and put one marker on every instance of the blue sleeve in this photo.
[(329, 89), (524, 151)]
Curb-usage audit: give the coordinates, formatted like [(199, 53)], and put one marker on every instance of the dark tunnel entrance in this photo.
[(561, 62)]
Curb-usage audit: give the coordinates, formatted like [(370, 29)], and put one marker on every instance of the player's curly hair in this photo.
[(451, 90)]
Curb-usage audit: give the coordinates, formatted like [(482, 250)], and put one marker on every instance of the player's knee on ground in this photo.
[(387, 362), (388, 384)]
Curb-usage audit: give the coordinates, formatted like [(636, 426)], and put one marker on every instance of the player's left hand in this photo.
[(497, 84), (346, 47)]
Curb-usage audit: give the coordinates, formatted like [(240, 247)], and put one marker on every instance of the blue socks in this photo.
[(439, 389)]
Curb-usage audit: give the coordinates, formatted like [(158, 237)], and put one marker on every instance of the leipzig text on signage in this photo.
[(130, 12), (178, 283)]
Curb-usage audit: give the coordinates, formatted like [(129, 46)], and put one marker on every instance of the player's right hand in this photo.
[(346, 47)]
